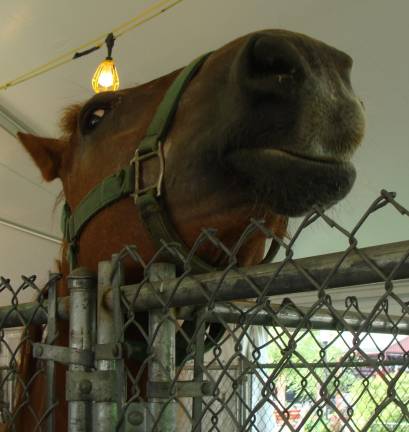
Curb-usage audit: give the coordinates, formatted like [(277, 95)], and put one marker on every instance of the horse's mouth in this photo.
[(303, 157), (271, 155), (291, 183)]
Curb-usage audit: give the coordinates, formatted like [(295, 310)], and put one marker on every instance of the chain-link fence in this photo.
[(217, 351)]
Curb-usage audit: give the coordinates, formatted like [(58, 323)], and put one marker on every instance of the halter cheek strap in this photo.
[(111, 189), (126, 182)]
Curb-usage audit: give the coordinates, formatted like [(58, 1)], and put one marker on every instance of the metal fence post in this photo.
[(106, 413), (51, 336), (162, 366), (199, 353), (81, 283)]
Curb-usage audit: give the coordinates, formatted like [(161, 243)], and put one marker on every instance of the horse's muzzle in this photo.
[(269, 67)]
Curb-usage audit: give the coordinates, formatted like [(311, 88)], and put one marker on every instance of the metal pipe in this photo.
[(30, 231), (162, 331), (81, 284), (117, 280), (19, 315), (199, 361), (12, 316), (51, 337), (293, 317), (277, 315), (375, 364), (34, 313), (276, 278), (353, 271), (105, 414)]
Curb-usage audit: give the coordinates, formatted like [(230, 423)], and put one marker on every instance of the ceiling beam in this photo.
[(12, 124), (30, 231)]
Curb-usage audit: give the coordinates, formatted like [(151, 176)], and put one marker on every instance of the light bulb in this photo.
[(105, 77)]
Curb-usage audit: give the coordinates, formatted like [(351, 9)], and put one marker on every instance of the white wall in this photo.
[(25, 199)]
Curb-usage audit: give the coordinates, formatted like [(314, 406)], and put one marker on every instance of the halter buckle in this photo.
[(137, 161)]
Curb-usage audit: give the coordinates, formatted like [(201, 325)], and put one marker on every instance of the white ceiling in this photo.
[(32, 32)]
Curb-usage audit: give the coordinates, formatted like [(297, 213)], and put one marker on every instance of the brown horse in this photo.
[(266, 129)]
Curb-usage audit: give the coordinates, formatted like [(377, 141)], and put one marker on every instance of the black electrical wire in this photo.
[(86, 52)]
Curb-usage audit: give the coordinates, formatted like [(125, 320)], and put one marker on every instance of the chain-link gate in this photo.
[(213, 352)]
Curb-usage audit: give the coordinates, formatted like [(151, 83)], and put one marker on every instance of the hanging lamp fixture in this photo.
[(106, 76)]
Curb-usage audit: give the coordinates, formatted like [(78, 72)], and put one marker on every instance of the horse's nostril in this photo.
[(274, 59), (274, 65), (282, 66)]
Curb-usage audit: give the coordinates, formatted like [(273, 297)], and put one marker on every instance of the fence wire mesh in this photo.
[(21, 325), (220, 352)]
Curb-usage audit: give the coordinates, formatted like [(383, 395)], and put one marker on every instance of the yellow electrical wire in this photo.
[(145, 16)]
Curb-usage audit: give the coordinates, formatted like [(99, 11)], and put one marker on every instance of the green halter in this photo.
[(126, 182)]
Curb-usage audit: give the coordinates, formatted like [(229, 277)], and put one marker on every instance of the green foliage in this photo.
[(306, 383), (372, 405), (379, 402)]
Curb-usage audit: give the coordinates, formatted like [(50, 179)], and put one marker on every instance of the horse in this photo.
[(263, 127)]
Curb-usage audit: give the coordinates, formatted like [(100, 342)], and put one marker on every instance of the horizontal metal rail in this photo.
[(191, 291), (248, 367), (373, 364), (294, 317), (239, 313), (275, 279), (31, 313)]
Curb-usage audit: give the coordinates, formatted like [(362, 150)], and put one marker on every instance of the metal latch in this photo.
[(110, 351), (179, 389), (63, 355), (90, 386)]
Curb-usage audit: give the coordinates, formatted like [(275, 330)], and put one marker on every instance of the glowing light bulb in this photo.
[(105, 77)]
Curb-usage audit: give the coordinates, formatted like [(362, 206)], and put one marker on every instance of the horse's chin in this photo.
[(290, 184)]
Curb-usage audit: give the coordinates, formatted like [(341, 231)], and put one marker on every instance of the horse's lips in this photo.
[(291, 155), (314, 159), (289, 184)]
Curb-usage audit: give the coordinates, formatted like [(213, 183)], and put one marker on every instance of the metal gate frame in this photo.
[(96, 378)]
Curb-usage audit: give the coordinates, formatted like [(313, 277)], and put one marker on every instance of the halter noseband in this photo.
[(126, 182)]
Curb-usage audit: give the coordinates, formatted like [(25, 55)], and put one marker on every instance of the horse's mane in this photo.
[(69, 120), (68, 125)]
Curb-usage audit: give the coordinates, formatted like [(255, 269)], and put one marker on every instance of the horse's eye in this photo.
[(93, 118)]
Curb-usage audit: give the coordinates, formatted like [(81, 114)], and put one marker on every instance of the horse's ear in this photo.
[(46, 153)]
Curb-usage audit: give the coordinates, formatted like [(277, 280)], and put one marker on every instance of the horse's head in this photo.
[(266, 128)]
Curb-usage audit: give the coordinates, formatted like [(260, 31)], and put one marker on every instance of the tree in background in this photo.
[(330, 396)]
